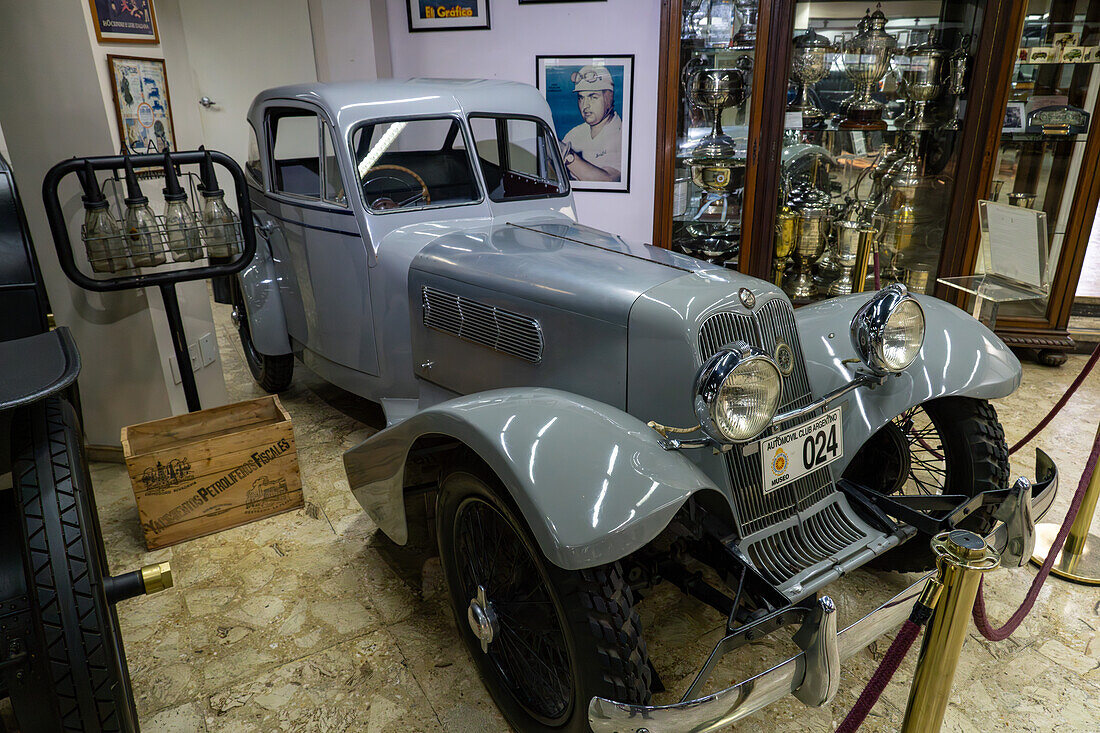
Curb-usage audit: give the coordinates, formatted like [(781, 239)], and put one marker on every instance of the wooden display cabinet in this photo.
[(876, 157)]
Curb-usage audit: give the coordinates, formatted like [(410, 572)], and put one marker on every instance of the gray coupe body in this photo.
[(545, 347)]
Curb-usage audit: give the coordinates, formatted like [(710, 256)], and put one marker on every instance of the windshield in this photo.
[(411, 164), (518, 157)]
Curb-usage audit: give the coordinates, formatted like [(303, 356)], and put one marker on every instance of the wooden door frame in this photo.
[(1049, 331), (767, 106)]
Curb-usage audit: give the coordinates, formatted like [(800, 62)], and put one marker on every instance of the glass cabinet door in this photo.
[(1047, 120), (717, 44), (872, 132)]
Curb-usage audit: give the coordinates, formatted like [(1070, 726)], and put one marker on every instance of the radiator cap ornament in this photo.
[(747, 298)]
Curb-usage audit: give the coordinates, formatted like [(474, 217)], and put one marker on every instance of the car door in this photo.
[(323, 262)]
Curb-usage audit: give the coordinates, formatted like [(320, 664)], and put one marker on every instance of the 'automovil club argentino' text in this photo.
[(206, 493)]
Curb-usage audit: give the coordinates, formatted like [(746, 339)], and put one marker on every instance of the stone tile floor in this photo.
[(310, 621)]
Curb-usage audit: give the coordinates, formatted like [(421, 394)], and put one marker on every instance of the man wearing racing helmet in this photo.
[(593, 150)]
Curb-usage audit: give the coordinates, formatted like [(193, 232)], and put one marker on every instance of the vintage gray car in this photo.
[(579, 418)]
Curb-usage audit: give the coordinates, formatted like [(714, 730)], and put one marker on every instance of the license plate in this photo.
[(790, 455)]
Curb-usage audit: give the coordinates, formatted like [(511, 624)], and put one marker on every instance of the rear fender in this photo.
[(592, 482), (960, 357), (263, 303)]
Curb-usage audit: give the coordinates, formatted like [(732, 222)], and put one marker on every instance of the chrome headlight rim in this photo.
[(714, 373), (869, 325)]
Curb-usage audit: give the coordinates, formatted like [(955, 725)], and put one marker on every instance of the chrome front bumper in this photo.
[(803, 673)]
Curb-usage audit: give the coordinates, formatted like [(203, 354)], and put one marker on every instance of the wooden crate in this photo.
[(206, 471)]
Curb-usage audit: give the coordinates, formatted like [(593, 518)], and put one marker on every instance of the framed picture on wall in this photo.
[(124, 21), (447, 15), (139, 87), (591, 100)]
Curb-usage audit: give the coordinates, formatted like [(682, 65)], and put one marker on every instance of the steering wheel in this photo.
[(401, 175)]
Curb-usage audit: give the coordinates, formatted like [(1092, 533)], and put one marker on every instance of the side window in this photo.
[(517, 158), (252, 165), (410, 164), (334, 185), (294, 152)]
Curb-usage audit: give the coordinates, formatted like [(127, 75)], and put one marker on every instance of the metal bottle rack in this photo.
[(165, 275)]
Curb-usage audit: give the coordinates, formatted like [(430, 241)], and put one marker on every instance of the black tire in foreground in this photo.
[(77, 678), (272, 373), (550, 639), (951, 445)]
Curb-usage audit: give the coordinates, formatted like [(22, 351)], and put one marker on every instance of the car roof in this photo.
[(348, 103)]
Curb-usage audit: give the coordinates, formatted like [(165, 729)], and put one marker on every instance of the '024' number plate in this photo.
[(790, 455)]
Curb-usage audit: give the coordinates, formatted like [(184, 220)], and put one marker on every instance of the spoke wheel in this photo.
[(952, 445), (525, 642), (545, 640), (924, 453)]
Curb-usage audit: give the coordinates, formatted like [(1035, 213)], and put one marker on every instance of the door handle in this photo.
[(265, 228), (207, 102)]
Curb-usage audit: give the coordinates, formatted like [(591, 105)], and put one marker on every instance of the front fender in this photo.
[(960, 357), (263, 303), (592, 482)]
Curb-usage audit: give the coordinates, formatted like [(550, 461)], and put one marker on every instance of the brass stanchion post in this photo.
[(1079, 561), (962, 558)]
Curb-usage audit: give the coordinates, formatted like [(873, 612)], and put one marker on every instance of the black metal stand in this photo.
[(163, 278), (179, 342)]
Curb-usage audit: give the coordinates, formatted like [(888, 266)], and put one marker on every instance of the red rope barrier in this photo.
[(886, 669), (1061, 402), (981, 620)]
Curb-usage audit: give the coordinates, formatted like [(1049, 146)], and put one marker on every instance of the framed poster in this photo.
[(591, 101), (124, 21), (140, 90), (447, 15)]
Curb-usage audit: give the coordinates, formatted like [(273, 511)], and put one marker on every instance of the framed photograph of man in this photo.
[(124, 21), (140, 90), (447, 15), (591, 100)]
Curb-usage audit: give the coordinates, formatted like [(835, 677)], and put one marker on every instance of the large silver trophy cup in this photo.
[(713, 159), (811, 57), (920, 73), (866, 60)]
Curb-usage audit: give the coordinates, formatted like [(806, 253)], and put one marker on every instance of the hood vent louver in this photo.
[(499, 329)]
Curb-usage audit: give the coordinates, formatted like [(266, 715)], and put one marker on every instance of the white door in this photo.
[(238, 49)]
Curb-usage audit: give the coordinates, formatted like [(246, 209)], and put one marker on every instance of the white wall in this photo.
[(508, 51), (64, 110), (350, 39)]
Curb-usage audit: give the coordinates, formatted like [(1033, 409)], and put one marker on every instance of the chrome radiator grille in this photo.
[(499, 329), (773, 322)]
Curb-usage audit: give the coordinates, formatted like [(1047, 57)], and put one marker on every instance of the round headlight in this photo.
[(737, 393), (903, 336), (888, 330)]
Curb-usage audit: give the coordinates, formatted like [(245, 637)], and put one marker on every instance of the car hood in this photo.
[(559, 263)]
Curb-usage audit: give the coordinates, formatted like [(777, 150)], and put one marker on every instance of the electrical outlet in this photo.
[(176, 378), (196, 357), (208, 349)]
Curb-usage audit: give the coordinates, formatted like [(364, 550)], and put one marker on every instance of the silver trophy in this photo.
[(956, 79), (714, 157), (810, 60), (850, 236), (745, 37), (866, 59), (809, 246), (920, 73)]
